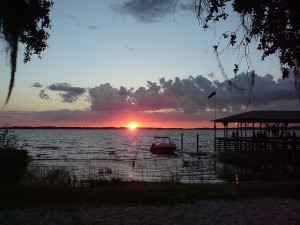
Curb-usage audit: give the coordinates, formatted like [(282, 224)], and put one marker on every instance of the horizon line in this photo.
[(106, 127)]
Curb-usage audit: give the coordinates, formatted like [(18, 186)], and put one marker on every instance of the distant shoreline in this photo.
[(103, 128), (123, 128)]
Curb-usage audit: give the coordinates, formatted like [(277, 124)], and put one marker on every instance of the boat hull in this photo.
[(163, 149)]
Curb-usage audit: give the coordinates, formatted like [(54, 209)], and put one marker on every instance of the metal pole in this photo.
[(215, 106), (215, 127)]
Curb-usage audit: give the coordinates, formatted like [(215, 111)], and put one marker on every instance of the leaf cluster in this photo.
[(26, 22), (274, 23)]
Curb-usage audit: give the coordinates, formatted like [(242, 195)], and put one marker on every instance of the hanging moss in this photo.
[(26, 22)]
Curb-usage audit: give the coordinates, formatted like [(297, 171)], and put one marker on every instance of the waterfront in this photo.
[(122, 153)]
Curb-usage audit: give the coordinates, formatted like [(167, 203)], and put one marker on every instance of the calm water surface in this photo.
[(121, 152)]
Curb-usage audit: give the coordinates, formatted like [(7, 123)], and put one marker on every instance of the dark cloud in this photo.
[(44, 95), (178, 95), (129, 48), (168, 101), (267, 94), (186, 6), (94, 118), (149, 11), (106, 98), (65, 115), (38, 85), (5, 116), (90, 27), (72, 16), (62, 117), (67, 92), (190, 95)]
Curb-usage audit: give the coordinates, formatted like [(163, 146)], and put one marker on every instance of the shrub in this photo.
[(13, 161)]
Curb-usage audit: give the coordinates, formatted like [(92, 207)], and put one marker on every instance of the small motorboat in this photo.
[(163, 146)]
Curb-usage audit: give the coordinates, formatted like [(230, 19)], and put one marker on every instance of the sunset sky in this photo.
[(113, 62)]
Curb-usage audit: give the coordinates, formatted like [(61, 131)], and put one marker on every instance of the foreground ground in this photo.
[(140, 203), (256, 211)]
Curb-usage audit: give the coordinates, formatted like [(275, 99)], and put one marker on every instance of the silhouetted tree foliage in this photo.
[(275, 24), (26, 22)]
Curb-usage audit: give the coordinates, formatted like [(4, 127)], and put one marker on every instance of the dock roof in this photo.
[(263, 117)]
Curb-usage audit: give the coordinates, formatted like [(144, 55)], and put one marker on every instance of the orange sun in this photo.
[(132, 126)]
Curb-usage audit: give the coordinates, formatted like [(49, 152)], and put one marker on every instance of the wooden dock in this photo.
[(259, 131), (225, 144)]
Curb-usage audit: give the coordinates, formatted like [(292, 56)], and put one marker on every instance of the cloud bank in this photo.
[(67, 92), (190, 95), (187, 95), (37, 85), (166, 103), (44, 95)]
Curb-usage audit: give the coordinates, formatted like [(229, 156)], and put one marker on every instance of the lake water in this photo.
[(107, 153)]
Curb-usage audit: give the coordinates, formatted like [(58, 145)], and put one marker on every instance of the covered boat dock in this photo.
[(259, 131)]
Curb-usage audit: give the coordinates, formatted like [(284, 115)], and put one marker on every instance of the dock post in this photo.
[(182, 141), (197, 143)]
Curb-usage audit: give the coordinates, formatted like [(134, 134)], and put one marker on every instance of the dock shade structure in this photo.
[(266, 127)]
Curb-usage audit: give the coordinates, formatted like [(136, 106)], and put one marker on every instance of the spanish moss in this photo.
[(13, 51), (26, 22)]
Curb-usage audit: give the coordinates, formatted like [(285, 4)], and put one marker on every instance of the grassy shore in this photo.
[(21, 187)]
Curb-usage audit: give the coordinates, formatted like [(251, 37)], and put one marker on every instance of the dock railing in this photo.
[(232, 144)]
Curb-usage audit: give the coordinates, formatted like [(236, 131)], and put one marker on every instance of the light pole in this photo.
[(215, 95)]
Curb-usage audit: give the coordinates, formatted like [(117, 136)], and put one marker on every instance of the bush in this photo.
[(13, 161), (13, 164)]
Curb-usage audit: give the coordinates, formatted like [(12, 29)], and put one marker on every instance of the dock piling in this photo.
[(182, 141), (197, 143)]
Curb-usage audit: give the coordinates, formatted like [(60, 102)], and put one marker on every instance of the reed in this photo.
[(7, 138), (59, 186)]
